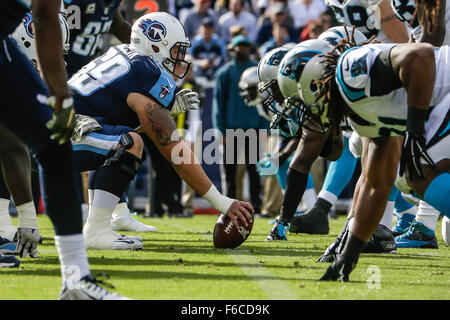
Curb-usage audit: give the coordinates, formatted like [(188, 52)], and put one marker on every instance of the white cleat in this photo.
[(108, 240), (9, 232), (125, 222), (134, 238), (88, 289)]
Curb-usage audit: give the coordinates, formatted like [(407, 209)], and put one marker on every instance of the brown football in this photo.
[(226, 236)]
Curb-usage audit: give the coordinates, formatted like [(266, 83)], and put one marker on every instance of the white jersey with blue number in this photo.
[(362, 14), (386, 115)]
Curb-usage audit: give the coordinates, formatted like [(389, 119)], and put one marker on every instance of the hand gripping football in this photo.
[(226, 236)]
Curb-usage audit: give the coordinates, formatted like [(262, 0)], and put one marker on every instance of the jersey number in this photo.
[(100, 72), (86, 43), (365, 20)]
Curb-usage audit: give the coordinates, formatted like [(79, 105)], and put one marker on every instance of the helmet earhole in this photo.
[(155, 49), (313, 86)]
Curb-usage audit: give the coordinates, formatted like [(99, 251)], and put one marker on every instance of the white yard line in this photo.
[(274, 288)]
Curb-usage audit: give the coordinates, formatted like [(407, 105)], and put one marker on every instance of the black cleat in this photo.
[(314, 221), (278, 231), (382, 241)]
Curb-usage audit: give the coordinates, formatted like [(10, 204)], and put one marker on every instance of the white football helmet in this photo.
[(336, 34), (24, 37), (404, 9), (161, 37), (267, 75), (299, 70), (249, 87)]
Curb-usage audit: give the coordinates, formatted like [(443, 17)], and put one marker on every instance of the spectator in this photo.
[(311, 31), (306, 10), (280, 36), (237, 16), (196, 14), (207, 50), (230, 112), (277, 15), (327, 20)]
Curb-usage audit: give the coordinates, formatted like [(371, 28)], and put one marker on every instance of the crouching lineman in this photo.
[(132, 86), (386, 90)]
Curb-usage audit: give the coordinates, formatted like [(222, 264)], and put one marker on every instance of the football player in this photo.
[(45, 125), (429, 25), (386, 90), (132, 86)]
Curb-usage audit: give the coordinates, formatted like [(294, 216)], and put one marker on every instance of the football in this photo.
[(226, 236)]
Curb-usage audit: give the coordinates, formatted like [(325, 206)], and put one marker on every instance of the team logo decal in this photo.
[(295, 68), (28, 25), (359, 67), (164, 91), (154, 30), (276, 58)]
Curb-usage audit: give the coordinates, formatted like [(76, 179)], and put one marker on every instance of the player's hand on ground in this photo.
[(414, 148), (27, 241), (240, 210), (63, 119), (339, 269), (185, 100)]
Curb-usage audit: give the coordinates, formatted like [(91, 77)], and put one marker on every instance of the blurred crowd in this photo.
[(227, 37)]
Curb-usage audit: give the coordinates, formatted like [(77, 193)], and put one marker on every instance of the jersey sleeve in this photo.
[(352, 73), (155, 83)]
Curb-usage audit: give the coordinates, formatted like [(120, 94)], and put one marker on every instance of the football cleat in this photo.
[(278, 231), (417, 236), (6, 246), (403, 223), (128, 223), (134, 238), (9, 232), (314, 221), (89, 289), (382, 241), (8, 261), (108, 240)]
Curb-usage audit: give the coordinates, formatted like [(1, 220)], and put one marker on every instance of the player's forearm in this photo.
[(394, 29), (49, 46), (121, 28)]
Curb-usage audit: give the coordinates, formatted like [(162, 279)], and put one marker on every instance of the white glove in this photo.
[(27, 242), (185, 100)]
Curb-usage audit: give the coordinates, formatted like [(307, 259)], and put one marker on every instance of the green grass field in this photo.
[(179, 262)]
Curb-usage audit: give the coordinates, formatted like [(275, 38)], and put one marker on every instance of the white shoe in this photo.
[(108, 240), (134, 238), (9, 232), (88, 289), (125, 222)]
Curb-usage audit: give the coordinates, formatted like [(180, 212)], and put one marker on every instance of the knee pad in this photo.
[(124, 160)]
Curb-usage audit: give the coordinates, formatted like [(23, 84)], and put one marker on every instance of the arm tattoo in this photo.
[(388, 18), (162, 124)]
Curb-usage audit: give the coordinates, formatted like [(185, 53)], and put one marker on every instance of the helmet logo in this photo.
[(294, 68), (276, 58), (28, 25), (153, 30)]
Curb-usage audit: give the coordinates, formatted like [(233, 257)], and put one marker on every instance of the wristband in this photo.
[(217, 200), (27, 216), (415, 123)]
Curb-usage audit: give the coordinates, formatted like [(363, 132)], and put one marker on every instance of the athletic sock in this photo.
[(5, 219), (427, 215), (402, 206), (295, 187), (101, 210), (121, 210), (73, 259), (386, 219), (438, 194), (308, 199)]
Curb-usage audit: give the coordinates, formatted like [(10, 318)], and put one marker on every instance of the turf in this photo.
[(179, 262)]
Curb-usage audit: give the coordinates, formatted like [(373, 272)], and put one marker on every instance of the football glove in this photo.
[(340, 268), (288, 126), (413, 150), (27, 241), (185, 100), (267, 166), (62, 122)]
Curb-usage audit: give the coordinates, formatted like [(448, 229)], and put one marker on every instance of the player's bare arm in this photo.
[(50, 48), (159, 126), (395, 29), (121, 28)]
